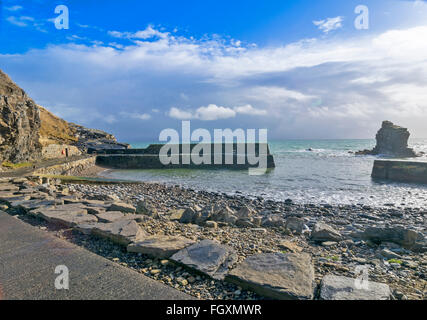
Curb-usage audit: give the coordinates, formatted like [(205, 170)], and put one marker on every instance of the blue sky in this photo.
[(299, 68)]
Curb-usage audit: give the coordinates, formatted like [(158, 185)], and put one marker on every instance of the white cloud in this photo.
[(214, 112), (135, 115), (148, 33), (249, 110), (327, 88), (22, 21), (329, 24), (179, 114), (14, 8), (210, 113)]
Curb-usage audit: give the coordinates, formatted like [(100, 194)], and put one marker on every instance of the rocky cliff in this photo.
[(27, 129), (19, 123), (392, 140)]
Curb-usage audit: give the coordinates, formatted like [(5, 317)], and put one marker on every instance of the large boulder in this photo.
[(343, 288), (392, 140), (276, 275), (208, 257), (323, 232), (19, 123), (407, 238), (190, 215)]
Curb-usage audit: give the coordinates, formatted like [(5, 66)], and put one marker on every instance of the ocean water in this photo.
[(328, 174)]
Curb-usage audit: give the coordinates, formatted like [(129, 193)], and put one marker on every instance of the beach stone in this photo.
[(69, 218), (245, 223), (344, 288), (289, 245), (146, 208), (208, 257), (386, 253), (110, 216), (276, 275), (273, 221), (295, 225), (204, 215), (245, 212), (405, 237), (224, 214), (176, 215), (8, 187), (323, 233), (86, 228), (121, 232), (34, 204), (162, 247), (189, 216), (121, 206), (8, 197), (95, 203), (211, 224)]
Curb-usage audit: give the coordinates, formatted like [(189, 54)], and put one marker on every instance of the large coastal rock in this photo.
[(276, 275), (95, 139), (19, 123), (343, 288), (392, 140), (407, 238), (208, 257)]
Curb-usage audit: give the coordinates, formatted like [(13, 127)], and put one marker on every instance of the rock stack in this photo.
[(392, 140)]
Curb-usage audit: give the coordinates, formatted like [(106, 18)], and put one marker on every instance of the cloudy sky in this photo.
[(301, 69)]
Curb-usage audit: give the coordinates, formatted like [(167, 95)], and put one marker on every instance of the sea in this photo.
[(307, 171)]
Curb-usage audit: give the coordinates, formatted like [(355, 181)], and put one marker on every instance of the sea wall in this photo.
[(400, 171), (153, 162), (69, 168), (148, 158)]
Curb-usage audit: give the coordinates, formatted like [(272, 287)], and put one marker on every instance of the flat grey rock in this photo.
[(8, 197), (86, 228), (65, 215), (207, 256), (323, 232), (122, 232), (405, 237), (276, 275), (343, 288), (110, 216), (160, 246), (34, 204), (121, 206), (8, 187)]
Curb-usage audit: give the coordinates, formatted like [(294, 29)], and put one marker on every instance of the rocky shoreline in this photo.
[(389, 243)]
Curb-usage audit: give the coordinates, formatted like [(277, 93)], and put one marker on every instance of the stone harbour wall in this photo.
[(68, 168), (400, 171)]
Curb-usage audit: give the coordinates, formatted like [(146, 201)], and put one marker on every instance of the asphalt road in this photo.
[(29, 257)]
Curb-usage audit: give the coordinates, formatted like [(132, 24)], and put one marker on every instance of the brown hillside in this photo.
[(54, 129)]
